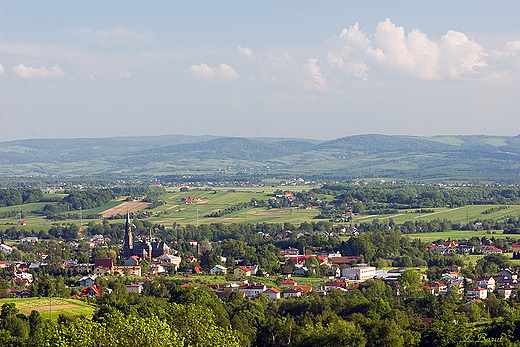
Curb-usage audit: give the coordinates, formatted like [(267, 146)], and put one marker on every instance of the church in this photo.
[(141, 248)]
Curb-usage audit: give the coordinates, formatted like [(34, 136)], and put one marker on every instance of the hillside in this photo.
[(371, 155)]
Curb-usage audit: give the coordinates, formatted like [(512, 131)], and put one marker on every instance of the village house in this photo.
[(136, 288), (28, 240), (490, 250), (291, 292), (508, 274), (288, 282), (506, 290), (272, 293), (174, 260), (87, 281), (92, 291), (477, 292), (242, 271), (486, 282), (218, 269), (328, 286), (131, 261), (252, 290), (439, 288), (338, 261), (103, 266)]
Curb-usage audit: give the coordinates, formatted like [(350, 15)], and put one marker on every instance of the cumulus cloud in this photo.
[(222, 72), (248, 52), (118, 36), (2, 69), (42, 72), (511, 50), (412, 54), (356, 68), (315, 79)]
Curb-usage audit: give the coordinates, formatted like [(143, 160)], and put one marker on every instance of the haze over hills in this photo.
[(410, 157)]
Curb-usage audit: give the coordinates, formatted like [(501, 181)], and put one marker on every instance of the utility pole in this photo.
[(197, 216)]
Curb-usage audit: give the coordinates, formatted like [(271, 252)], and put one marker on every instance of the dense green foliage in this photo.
[(18, 196)]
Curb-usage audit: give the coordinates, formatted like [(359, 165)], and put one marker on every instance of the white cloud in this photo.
[(248, 52), (412, 54), (356, 68), (315, 79), (118, 36), (281, 61), (42, 72), (125, 74), (354, 36), (223, 72), (2, 69), (511, 49), (460, 55)]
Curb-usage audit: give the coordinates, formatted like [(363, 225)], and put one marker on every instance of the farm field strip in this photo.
[(431, 214), (458, 234), (131, 206)]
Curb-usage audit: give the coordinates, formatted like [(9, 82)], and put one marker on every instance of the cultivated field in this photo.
[(130, 206), (220, 198)]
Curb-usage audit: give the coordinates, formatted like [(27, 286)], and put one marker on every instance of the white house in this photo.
[(252, 290), (218, 269), (361, 273), (272, 293), (29, 240), (477, 292), (87, 281), (134, 288)]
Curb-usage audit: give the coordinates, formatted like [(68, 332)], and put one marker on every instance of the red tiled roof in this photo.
[(306, 289), (288, 281)]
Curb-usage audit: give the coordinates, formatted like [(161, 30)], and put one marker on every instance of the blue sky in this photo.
[(310, 69)]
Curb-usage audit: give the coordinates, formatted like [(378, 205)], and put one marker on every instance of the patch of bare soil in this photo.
[(130, 206)]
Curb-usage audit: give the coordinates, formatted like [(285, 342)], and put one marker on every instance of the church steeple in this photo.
[(128, 245)]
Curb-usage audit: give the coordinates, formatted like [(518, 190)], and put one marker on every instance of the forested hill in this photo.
[(372, 155)]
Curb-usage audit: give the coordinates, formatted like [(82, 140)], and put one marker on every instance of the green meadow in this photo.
[(67, 307), (215, 199), (456, 215)]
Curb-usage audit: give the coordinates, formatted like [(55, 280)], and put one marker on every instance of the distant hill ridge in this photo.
[(368, 153)]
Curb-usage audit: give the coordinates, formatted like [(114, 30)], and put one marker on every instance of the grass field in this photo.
[(459, 234), (223, 197), (67, 307), (456, 215)]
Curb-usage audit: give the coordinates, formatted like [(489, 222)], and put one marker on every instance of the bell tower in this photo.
[(128, 245)]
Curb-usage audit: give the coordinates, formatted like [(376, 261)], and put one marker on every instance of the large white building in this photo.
[(361, 273)]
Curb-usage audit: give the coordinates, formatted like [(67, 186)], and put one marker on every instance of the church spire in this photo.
[(128, 244)]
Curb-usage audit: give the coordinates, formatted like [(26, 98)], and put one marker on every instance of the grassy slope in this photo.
[(81, 308)]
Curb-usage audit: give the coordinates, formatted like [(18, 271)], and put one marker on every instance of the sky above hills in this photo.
[(309, 69)]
